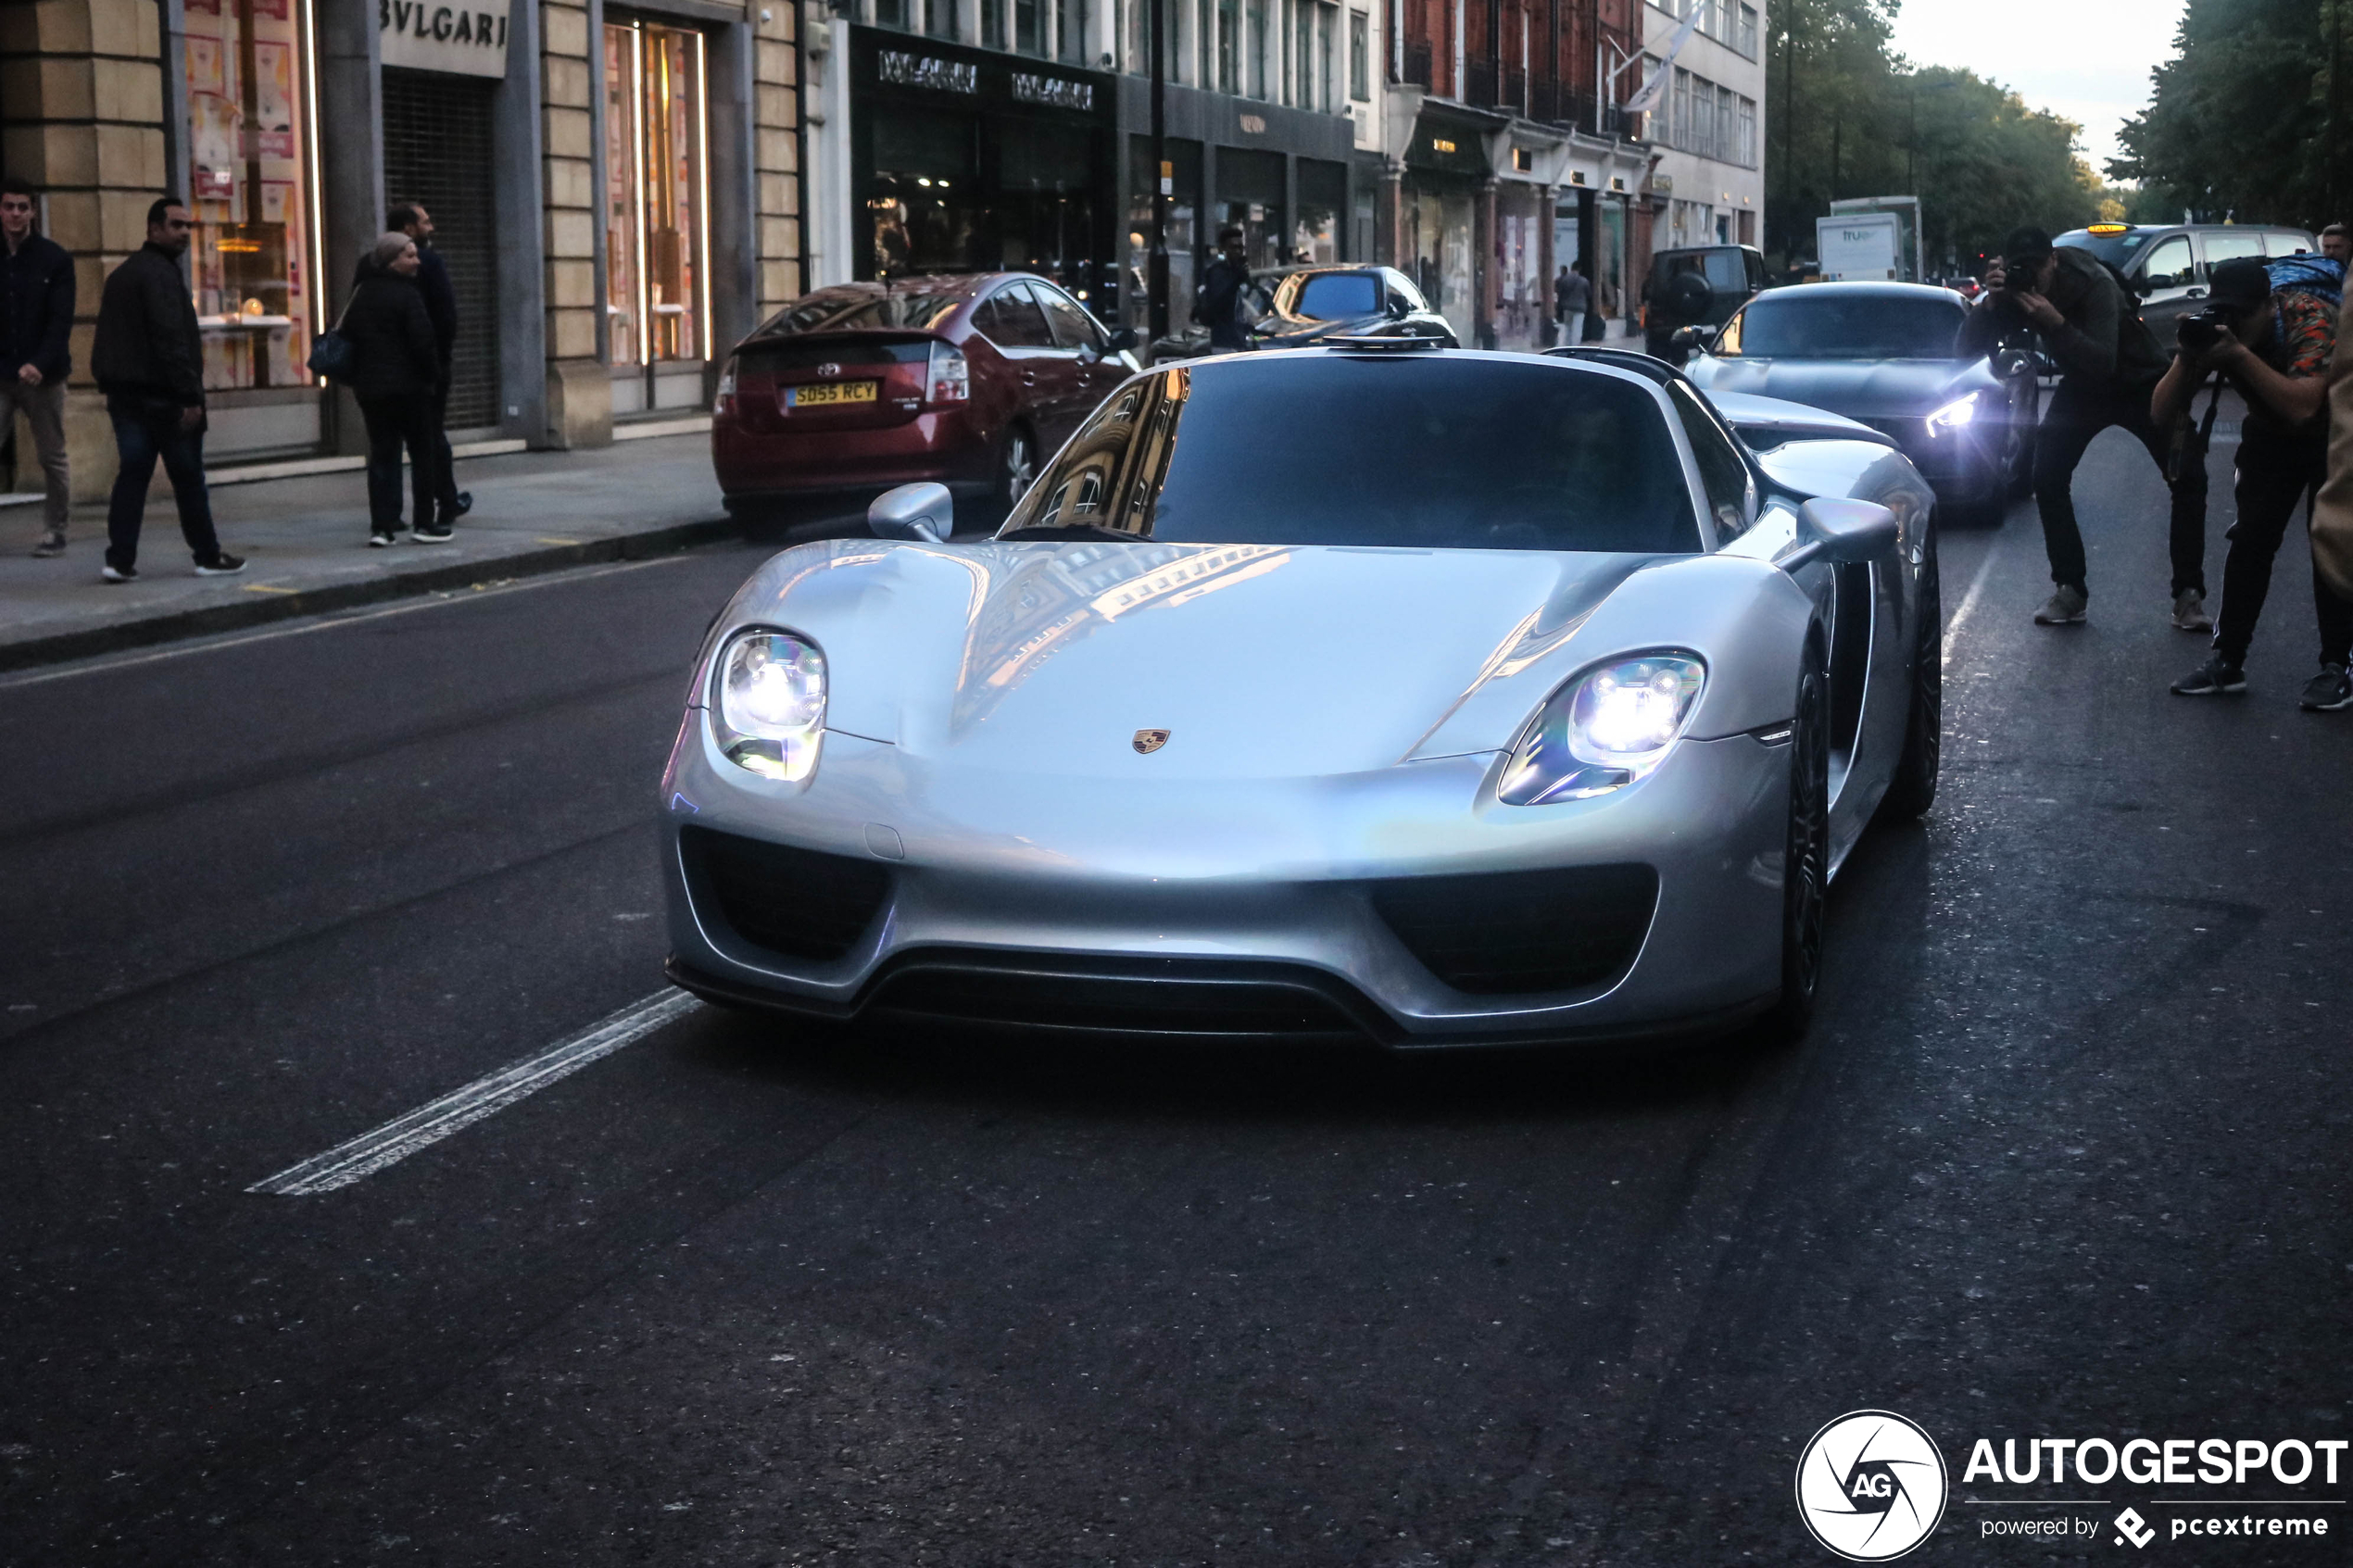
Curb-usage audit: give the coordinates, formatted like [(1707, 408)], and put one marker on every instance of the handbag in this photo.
[(332, 354)]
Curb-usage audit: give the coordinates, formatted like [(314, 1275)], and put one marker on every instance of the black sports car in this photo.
[(1295, 306), (1886, 354)]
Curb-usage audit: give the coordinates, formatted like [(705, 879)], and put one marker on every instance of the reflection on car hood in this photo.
[(1858, 388), (1261, 660)]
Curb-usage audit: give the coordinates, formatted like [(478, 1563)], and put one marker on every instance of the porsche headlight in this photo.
[(768, 704), (1953, 416), (1603, 730)]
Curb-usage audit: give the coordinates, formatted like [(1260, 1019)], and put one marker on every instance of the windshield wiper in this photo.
[(1072, 530)]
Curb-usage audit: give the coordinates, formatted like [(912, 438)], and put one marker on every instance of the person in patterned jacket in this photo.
[(2277, 356)]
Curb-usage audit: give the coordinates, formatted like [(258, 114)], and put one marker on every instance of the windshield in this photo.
[(2117, 250), (1802, 324), (850, 310), (1337, 296), (1724, 269), (1426, 451)]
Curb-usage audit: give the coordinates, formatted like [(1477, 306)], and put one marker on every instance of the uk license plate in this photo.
[(831, 393)]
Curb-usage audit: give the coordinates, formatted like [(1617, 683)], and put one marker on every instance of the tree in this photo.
[(2250, 118), (1856, 120)]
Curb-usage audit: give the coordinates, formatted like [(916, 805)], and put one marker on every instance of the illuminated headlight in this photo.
[(1607, 728), (768, 704), (1953, 416)]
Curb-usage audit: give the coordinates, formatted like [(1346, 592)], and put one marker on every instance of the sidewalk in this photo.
[(305, 538)]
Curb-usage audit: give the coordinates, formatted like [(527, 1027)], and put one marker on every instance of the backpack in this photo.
[(2318, 276)]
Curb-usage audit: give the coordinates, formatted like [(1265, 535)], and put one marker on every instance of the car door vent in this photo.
[(1519, 933), (801, 903)]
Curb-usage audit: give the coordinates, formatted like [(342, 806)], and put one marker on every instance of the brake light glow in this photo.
[(726, 395), (950, 377)]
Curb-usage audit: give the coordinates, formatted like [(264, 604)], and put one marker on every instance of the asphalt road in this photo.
[(2064, 1155)]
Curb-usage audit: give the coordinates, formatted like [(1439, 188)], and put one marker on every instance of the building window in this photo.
[(1747, 40), (252, 187), (1678, 133), (1257, 46), (1748, 133), (1327, 66), (1360, 56), (1303, 50), (1229, 45), (1070, 32), (657, 299), (1029, 27)]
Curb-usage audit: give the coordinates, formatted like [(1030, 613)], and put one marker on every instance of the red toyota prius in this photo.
[(967, 381)]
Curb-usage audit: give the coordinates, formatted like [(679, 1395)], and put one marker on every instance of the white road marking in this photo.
[(428, 1125), (1969, 601), (329, 620)]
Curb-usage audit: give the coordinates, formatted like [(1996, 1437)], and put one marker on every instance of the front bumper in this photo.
[(1381, 904)]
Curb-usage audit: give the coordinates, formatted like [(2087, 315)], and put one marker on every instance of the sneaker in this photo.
[(379, 540), (2330, 690), (222, 565), (2189, 612), (2062, 608), (117, 574), (441, 535), (457, 509), (2212, 678), (50, 545)]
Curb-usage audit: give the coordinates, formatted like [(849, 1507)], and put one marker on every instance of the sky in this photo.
[(2087, 59)]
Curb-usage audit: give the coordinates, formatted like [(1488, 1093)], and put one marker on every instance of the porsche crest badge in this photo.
[(1150, 741)]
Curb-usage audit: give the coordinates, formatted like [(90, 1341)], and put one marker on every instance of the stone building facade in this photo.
[(617, 192)]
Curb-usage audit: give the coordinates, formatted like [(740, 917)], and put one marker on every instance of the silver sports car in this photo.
[(1375, 690)]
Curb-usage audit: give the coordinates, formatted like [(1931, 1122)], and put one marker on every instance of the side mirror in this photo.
[(1123, 341), (1398, 310), (2144, 286), (1687, 340), (923, 513), (1843, 533)]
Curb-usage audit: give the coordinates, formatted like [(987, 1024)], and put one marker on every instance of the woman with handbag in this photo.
[(394, 364)]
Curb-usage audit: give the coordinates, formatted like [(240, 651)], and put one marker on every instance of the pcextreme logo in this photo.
[(1870, 1486)]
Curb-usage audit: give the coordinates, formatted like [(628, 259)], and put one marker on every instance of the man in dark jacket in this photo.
[(441, 305), (1221, 294), (149, 361), (395, 367), (36, 312), (2109, 366)]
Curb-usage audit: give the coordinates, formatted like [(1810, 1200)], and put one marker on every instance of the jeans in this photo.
[(401, 419), (2275, 471), (43, 407), (140, 441), (2080, 411)]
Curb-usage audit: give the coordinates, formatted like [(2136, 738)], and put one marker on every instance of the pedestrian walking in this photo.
[(1589, 327), (2275, 350), (1222, 285), (395, 367), (1573, 300), (36, 314), (2109, 364), (441, 305), (149, 361)]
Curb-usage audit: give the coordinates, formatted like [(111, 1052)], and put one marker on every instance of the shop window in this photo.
[(1323, 193), (656, 199), (253, 263)]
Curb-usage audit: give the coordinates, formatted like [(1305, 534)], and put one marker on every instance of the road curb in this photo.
[(262, 609)]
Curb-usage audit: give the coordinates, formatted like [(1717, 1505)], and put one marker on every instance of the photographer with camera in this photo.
[(2274, 348), (2108, 364)]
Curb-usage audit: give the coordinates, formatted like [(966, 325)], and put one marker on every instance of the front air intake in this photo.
[(798, 903), (1522, 933)]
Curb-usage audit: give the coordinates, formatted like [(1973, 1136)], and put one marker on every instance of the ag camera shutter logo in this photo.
[(1870, 1486)]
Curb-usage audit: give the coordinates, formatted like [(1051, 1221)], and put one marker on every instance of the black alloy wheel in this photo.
[(1805, 863), (1914, 789)]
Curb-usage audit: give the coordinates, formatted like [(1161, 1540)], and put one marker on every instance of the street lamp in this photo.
[(1156, 284)]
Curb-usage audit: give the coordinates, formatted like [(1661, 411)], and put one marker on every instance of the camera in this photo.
[(2203, 327)]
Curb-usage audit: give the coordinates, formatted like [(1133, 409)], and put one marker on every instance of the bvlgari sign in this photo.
[(428, 35)]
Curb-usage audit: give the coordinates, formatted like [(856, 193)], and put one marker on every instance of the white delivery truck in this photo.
[(1859, 247), (1909, 267)]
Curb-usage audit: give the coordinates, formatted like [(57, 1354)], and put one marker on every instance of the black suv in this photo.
[(1696, 286)]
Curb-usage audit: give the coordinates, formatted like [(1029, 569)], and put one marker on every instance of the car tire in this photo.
[(1914, 789), (1805, 860)]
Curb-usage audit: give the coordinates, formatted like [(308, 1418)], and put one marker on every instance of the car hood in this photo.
[(1049, 657), (1858, 388)]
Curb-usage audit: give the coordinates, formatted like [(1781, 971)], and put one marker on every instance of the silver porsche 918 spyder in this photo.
[(1381, 689)]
